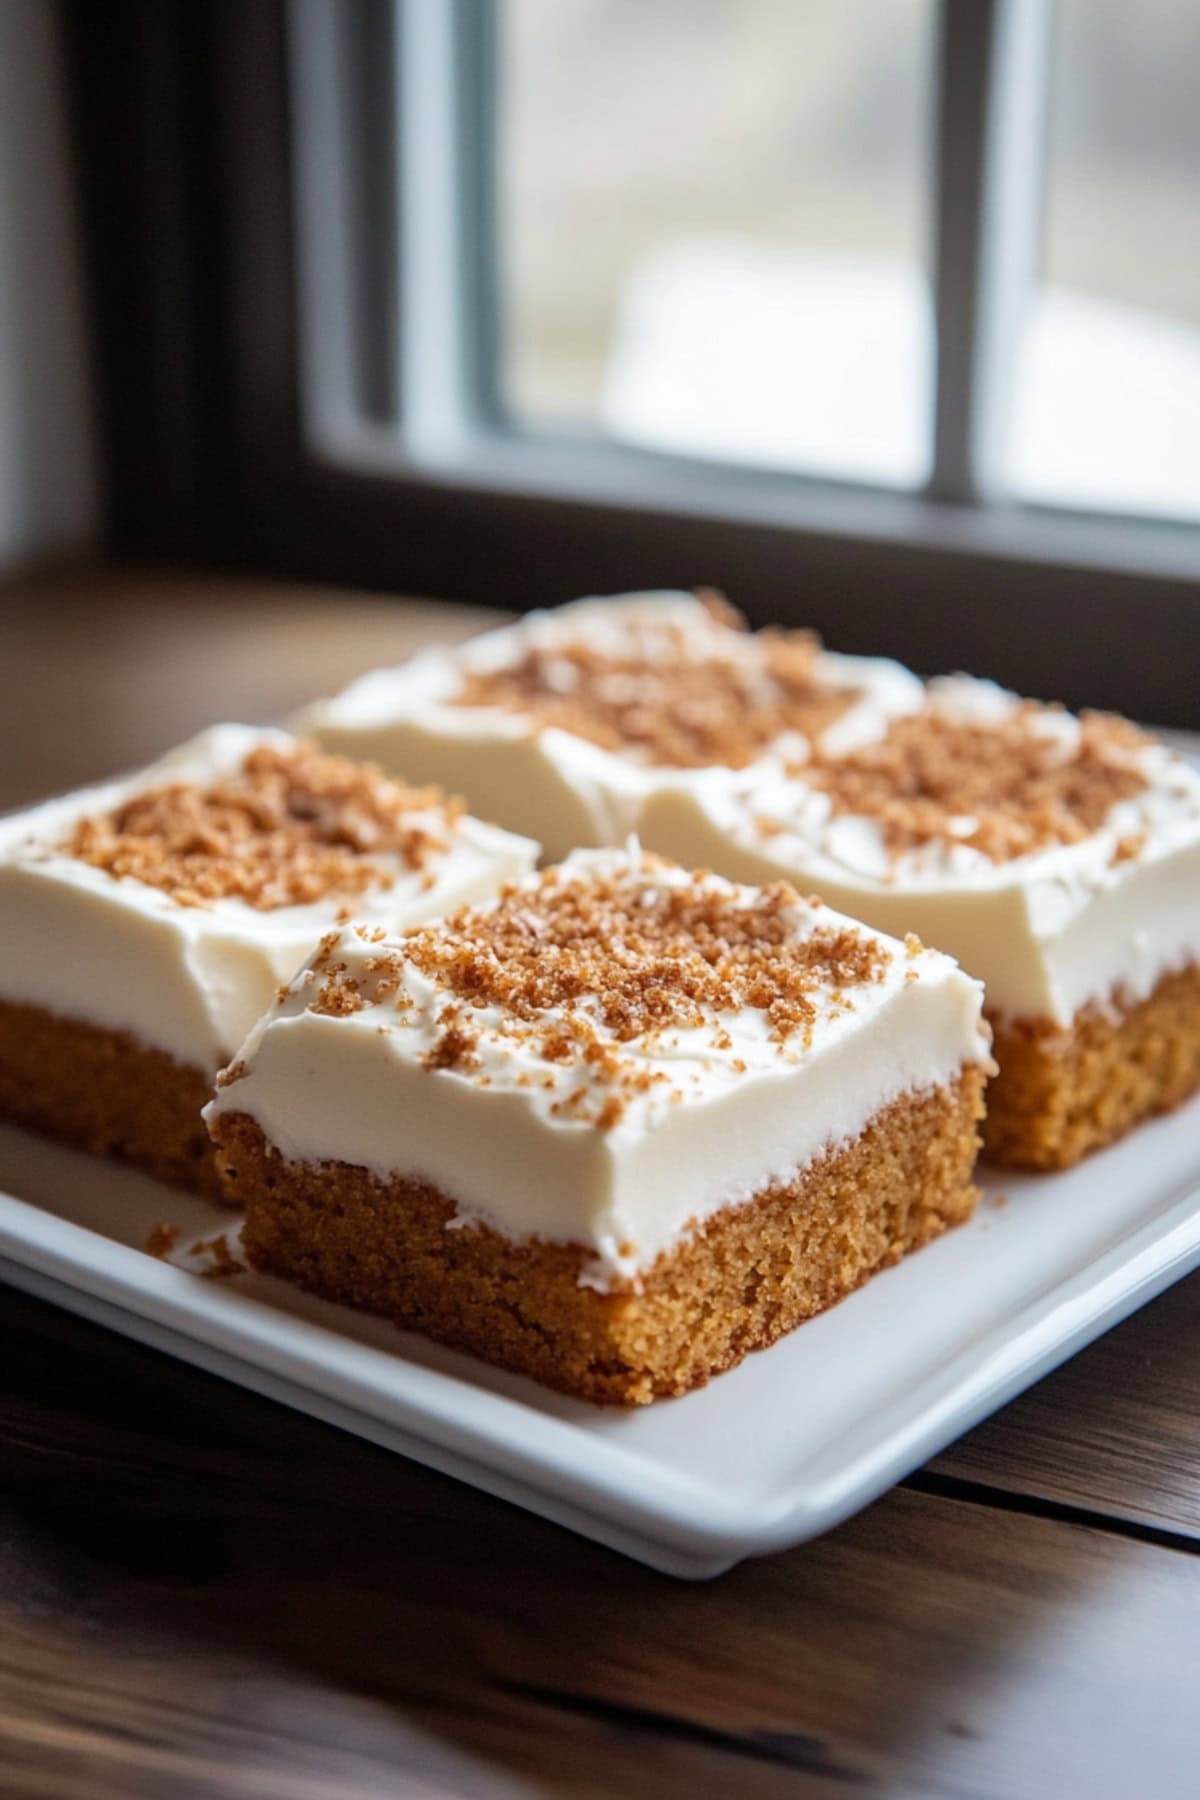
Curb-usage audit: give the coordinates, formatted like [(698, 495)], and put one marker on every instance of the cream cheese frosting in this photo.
[(561, 785), (117, 952), (713, 1039), (1048, 929)]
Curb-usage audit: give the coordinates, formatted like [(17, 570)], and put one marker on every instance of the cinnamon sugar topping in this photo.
[(456, 1048), (340, 994), (648, 957), (287, 828), (1003, 788), (664, 703), (588, 974), (1129, 848)]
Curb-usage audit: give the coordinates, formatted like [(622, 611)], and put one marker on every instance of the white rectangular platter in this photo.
[(782, 1448)]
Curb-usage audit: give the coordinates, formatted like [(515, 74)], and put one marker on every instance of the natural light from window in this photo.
[(1107, 396), (714, 228), (714, 236)]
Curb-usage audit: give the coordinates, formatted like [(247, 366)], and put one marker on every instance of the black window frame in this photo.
[(205, 142)]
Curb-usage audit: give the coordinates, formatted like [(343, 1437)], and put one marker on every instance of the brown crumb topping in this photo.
[(588, 973), (287, 828), (457, 1045), (1000, 788), (647, 955), (1129, 848), (666, 704), (340, 994)]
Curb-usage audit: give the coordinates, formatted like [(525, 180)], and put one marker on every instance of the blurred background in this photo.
[(717, 230), (882, 314)]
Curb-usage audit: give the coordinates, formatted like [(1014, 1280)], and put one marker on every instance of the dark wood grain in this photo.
[(1116, 1431), (203, 1595), (207, 1595)]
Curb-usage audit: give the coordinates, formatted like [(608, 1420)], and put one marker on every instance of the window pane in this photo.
[(713, 227), (1107, 410)]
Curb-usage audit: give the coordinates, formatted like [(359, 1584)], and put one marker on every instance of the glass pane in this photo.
[(713, 227), (1107, 401)]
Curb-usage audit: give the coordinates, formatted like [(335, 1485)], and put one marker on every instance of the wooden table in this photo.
[(202, 1594)]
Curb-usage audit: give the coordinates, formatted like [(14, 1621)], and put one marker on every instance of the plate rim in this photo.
[(591, 1483)]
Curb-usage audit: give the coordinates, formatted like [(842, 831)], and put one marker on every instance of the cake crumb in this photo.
[(649, 958), (456, 1047), (721, 609), (222, 1263), (663, 702), (287, 828), (611, 1113), (588, 974), (161, 1239), (1128, 848), (929, 776), (339, 995)]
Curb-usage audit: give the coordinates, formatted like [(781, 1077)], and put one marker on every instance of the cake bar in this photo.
[(147, 923), (614, 1129), (1056, 857), (563, 724)]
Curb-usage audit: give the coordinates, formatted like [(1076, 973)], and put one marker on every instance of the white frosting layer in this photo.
[(726, 1122), (1046, 932), (191, 980), (560, 788)]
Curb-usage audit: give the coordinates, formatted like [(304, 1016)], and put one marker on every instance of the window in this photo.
[(1107, 408), (759, 235), (713, 227), (513, 299)]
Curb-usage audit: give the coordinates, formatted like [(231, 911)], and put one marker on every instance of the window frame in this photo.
[(264, 375)]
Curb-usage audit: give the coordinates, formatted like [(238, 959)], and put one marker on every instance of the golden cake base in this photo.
[(740, 1281), (1062, 1092), (103, 1091)]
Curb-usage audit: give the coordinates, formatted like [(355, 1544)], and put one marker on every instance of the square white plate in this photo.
[(793, 1441)]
